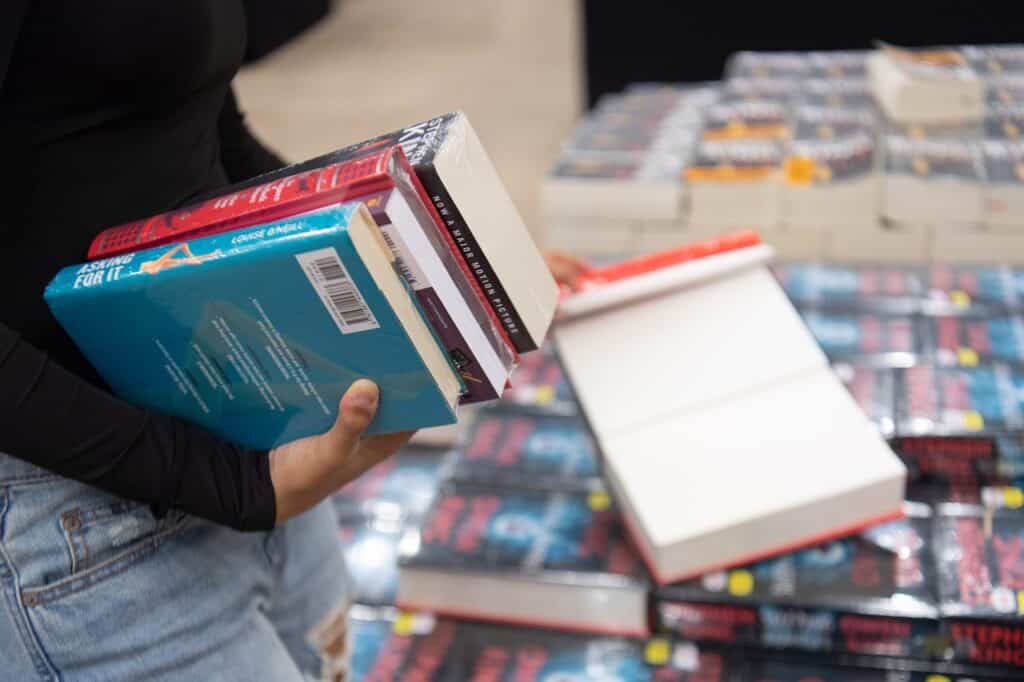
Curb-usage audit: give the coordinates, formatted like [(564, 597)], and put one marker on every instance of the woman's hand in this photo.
[(306, 471), (565, 268)]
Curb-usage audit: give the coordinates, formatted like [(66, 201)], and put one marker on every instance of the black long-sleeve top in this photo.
[(113, 110)]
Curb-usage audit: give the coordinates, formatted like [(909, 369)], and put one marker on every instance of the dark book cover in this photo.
[(930, 157), (1004, 121), (845, 94), (371, 546), (990, 460), (400, 487), (895, 288), (962, 287), (1005, 89), (933, 400), (969, 339), (783, 65), (874, 389), (970, 460), (621, 167), (796, 670), (780, 90), (530, 533), (981, 576), (735, 160), (820, 162), (1004, 161), (872, 593), (995, 60), (756, 119), (829, 123), (414, 647), (511, 450), (839, 65), (844, 334)]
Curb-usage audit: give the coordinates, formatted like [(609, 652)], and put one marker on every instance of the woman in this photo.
[(109, 112)]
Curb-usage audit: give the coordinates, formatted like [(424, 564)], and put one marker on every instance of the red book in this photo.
[(362, 178)]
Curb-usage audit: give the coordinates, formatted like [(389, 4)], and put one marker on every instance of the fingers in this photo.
[(565, 268)]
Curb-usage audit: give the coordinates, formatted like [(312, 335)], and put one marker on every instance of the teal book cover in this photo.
[(255, 334)]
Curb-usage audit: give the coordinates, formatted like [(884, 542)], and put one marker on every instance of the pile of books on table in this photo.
[(903, 156), (519, 567)]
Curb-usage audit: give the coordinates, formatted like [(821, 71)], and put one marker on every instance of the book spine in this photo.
[(475, 259), (462, 357), (266, 202), (497, 328)]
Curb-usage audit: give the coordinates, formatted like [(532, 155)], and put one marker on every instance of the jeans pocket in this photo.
[(104, 535)]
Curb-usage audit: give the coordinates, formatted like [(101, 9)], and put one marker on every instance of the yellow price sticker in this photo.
[(1020, 602), (799, 170), (961, 299), (1013, 498), (403, 624), (544, 395), (968, 357), (741, 583), (657, 652), (599, 501), (937, 678), (973, 421)]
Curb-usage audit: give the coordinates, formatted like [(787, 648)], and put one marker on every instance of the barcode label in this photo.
[(339, 293), (407, 265)]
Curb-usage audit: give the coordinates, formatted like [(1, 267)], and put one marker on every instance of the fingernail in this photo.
[(363, 394)]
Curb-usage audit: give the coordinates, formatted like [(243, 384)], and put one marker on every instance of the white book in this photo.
[(725, 435), (926, 86), (932, 181), (614, 186)]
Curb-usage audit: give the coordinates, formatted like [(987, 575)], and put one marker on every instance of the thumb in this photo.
[(355, 412)]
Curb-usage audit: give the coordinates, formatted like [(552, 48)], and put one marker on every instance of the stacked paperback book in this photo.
[(896, 155), (400, 259)]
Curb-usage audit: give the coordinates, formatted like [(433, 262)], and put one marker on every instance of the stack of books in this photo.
[(401, 259), (904, 156), (527, 542)]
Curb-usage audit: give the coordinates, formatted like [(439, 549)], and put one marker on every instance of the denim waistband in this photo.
[(14, 470)]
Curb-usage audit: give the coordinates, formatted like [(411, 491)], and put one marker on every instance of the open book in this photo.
[(725, 436)]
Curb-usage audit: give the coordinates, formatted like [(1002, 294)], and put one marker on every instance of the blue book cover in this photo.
[(257, 333)]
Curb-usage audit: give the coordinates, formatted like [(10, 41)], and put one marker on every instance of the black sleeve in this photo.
[(242, 155), (62, 423), (272, 23)]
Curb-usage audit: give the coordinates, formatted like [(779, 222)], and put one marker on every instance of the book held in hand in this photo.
[(257, 333), (426, 256), (460, 181)]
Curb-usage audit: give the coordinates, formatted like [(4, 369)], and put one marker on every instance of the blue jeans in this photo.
[(93, 587)]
